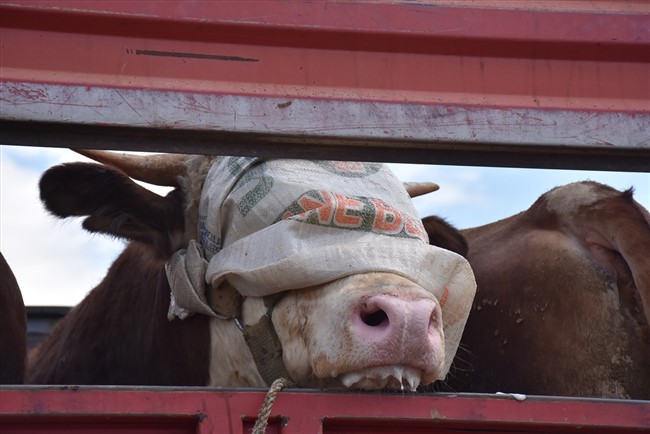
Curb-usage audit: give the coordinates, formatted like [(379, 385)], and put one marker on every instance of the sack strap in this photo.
[(190, 294), (264, 344)]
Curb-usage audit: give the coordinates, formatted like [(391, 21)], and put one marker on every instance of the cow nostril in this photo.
[(374, 319)]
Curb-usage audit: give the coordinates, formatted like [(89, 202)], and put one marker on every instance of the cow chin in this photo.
[(394, 377)]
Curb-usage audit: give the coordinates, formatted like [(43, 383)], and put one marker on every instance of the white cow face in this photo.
[(366, 331)]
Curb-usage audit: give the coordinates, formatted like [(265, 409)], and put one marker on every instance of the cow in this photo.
[(364, 329), (563, 299), (13, 328)]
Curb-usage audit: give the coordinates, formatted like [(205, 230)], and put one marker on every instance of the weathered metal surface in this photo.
[(537, 84), (244, 125), (203, 410), (439, 82)]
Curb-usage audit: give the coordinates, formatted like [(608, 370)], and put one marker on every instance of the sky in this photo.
[(56, 263)]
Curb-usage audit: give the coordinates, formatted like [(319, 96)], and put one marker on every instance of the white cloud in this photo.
[(473, 196), (55, 262)]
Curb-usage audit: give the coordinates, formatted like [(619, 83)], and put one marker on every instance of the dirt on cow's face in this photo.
[(368, 331)]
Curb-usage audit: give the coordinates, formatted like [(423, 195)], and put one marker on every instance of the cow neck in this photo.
[(261, 337)]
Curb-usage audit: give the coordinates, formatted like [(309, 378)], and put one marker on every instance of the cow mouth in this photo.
[(394, 377)]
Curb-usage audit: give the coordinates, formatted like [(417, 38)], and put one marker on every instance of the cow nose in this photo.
[(396, 322)]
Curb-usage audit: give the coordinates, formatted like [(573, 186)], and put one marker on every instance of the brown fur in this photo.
[(13, 328), (444, 235), (119, 334), (558, 310)]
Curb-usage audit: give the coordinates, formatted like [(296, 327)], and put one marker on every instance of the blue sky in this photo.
[(57, 263)]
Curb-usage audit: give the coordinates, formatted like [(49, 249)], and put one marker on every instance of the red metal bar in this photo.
[(228, 411), (381, 51), (424, 75)]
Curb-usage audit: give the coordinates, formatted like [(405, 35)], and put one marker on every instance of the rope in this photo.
[(263, 416)]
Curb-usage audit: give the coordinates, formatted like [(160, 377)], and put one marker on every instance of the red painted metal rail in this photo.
[(541, 84), (83, 409)]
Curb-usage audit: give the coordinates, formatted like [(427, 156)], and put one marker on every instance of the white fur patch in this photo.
[(231, 362), (565, 199)]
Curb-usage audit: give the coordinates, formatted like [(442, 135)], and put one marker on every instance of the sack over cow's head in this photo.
[(365, 301)]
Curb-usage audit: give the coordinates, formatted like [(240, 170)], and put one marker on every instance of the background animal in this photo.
[(563, 299), (13, 328), (348, 333)]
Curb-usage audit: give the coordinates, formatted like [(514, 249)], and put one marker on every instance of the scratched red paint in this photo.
[(202, 410), (27, 93), (421, 75), (424, 53)]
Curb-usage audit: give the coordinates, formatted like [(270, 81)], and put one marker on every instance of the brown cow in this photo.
[(562, 304), (13, 328), (358, 331)]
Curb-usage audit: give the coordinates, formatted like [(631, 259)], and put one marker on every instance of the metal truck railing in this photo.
[(529, 84)]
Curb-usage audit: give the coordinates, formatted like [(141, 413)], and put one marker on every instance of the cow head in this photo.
[(367, 328)]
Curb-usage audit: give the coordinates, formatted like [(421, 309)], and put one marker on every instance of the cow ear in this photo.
[(444, 235), (113, 202)]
